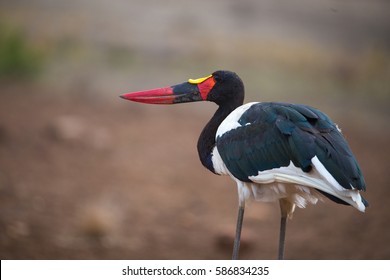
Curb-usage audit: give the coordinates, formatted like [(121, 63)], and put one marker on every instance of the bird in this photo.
[(293, 154)]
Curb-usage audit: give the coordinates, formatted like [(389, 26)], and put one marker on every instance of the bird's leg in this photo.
[(282, 236), (237, 238), (286, 208)]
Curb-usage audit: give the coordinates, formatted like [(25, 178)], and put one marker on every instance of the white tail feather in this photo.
[(296, 185)]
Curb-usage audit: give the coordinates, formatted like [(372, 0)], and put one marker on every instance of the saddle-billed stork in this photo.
[(275, 151)]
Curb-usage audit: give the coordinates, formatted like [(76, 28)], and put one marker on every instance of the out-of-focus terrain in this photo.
[(86, 175)]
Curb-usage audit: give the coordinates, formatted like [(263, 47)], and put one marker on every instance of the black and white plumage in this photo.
[(274, 151), (287, 151)]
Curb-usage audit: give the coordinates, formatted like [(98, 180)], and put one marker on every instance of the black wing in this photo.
[(273, 134)]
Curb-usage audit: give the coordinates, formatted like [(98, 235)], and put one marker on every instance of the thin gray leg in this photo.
[(282, 236), (236, 246)]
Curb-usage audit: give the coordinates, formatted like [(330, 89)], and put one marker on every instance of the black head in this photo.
[(228, 88)]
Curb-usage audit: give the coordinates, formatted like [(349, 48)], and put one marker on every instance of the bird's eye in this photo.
[(217, 78)]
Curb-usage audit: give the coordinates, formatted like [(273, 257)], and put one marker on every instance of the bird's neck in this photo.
[(206, 142)]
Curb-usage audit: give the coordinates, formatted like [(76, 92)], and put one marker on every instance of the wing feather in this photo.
[(271, 135)]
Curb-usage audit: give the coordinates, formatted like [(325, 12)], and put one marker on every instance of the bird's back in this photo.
[(279, 145)]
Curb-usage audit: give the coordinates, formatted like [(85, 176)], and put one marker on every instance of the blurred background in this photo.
[(87, 175)]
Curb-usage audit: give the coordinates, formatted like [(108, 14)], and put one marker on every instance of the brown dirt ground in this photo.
[(84, 178)]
